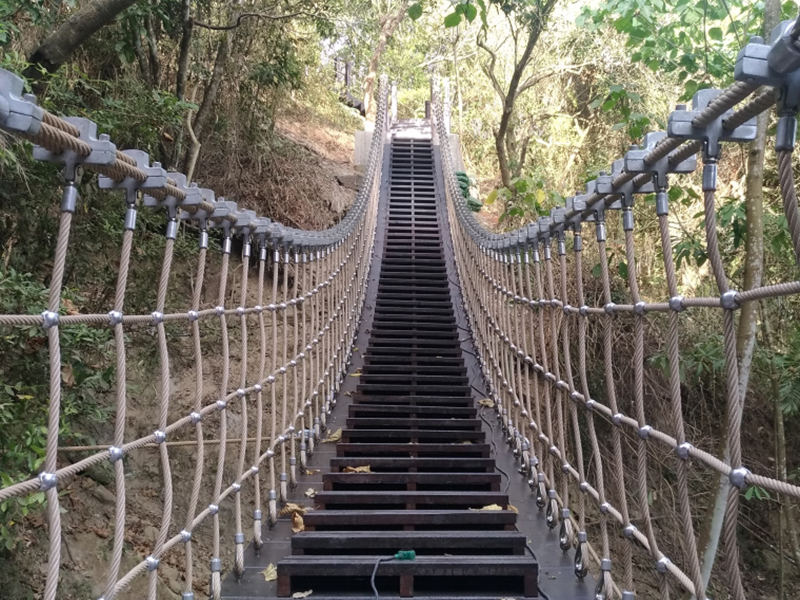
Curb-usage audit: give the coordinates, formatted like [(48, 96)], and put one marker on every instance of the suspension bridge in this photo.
[(418, 381)]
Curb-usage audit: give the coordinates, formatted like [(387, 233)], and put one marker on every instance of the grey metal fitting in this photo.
[(627, 220), (551, 494), (565, 468), (590, 404), (710, 177), (682, 450), (605, 564), (616, 419), (628, 595), (158, 317), (292, 363), (240, 393), (256, 515), (213, 509), (662, 204), (240, 311), (785, 136), (237, 487), (728, 300), (644, 432), (115, 453), (193, 315), (219, 310), (629, 531), (601, 231), (676, 303), (562, 385), (160, 436), (196, 417), (609, 308), (282, 370), (273, 495), (270, 453), (254, 469), (284, 477), (258, 309), (565, 513), (115, 317), (221, 404), (47, 481), (186, 536), (272, 307), (151, 563), (638, 308), (583, 310), (584, 486), (582, 537), (50, 319), (238, 538), (270, 379), (738, 477), (543, 438), (575, 396), (216, 565), (257, 387), (662, 564), (605, 507)]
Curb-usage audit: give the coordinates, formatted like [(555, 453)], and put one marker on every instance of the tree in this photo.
[(527, 20), (392, 16), (78, 28)]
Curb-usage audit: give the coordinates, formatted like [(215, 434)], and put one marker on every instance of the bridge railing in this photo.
[(309, 294), (525, 297)]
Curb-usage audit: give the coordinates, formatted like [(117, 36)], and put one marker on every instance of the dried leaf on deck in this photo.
[(311, 471), (297, 522), (311, 492), (334, 437), (356, 373), (491, 507), (361, 469), (513, 508), (291, 507), (270, 573), (487, 402), (302, 594)]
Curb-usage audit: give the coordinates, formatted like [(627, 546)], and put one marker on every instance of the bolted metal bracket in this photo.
[(635, 160), (679, 125), (103, 153)]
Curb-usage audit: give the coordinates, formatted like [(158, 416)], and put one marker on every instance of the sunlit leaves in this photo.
[(415, 11), (468, 11)]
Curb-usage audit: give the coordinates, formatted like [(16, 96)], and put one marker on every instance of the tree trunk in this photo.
[(58, 47), (185, 49), (144, 67), (535, 29), (152, 47), (711, 528), (212, 90), (388, 26)]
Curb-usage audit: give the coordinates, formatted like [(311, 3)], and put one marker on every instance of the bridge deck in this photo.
[(412, 415)]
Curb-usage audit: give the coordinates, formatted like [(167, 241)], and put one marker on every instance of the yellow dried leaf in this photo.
[(492, 507), (302, 594), (487, 402), (270, 573), (361, 469), (311, 471), (514, 508), (291, 507), (466, 442), (67, 376), (297, 522), (311, 492), (356, 373), (334, 437)]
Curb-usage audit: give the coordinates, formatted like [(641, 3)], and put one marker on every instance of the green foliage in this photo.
[(86, 373), (625, 103), (526, 199), (464, 10)]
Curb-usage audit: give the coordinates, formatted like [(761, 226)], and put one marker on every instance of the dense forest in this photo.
[(246, 98)]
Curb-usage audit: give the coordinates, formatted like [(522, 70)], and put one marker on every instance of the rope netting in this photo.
[(283, 355), (534, 325)]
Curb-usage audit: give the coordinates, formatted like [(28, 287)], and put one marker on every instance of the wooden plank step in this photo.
[(388, 388), (456, 573), (377, 500), (488, 482), (438, 400), (411, 450), (441, 464), (385, 410), (444, 519), (417, 369), (389, 542), (398, 423), (412, 435)]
